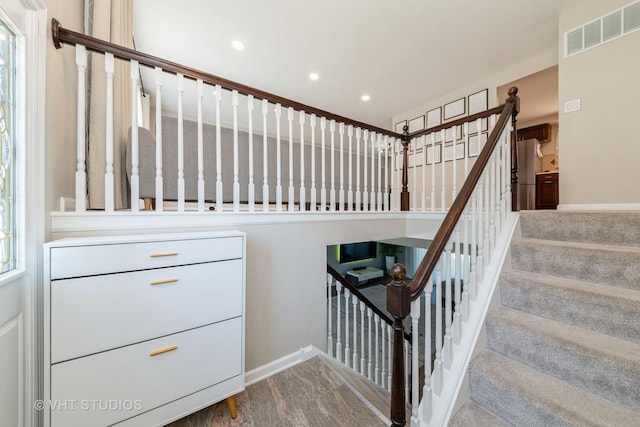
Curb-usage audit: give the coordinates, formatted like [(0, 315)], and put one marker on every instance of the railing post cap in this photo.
[(513, 91), (398, 272)]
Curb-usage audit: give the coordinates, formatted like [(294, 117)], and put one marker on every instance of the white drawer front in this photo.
[(98, 313), (116, 385), (84, 260)]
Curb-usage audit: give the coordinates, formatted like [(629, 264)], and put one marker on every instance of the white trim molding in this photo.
[(600, 207), (265, 371)]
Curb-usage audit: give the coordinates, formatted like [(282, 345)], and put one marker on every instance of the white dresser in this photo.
[(142, 330)]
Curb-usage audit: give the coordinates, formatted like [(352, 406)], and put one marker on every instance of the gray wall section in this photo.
[(190, 136)]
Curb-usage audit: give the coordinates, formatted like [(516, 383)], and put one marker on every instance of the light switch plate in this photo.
[(573, 105)]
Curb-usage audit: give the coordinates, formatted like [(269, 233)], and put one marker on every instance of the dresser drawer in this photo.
[(85, 260), (98, 313), (112, 386)]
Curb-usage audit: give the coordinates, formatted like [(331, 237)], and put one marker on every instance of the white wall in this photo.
[(61, 106), (600, 144)]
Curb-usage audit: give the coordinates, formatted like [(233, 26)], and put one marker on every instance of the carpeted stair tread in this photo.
[(526, 397), (609, 265), (603, 365), (607, 309), (472, 414), (608, 228)]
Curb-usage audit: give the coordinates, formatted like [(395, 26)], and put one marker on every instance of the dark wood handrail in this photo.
[(384, 316), (62, 35), (428, 264), (461, 121)]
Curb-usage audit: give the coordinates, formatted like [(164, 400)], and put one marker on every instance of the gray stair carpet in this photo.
[(564, 345)]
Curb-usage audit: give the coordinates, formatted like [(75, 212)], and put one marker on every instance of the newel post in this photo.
[(404, 195), (399, 305), (515, 99)]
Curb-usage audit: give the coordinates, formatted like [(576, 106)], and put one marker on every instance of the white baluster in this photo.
[(81, 167), (508, 171), (466, 255), (180, 87), (365, 193), (338, 326), (358, 194), (454, 188), (265, 160), (135, 178), (391, 170), (354, 301), (323, 188), (443, 195), (480, 222), (376, 378), (389, 356), (493, 184), (474, 245), (406, 370), (372, 196), (347, 349), (251, 191), (219, 194), (362, 356), (437, 365), (383, 359), (385, 198), (486, 245), (341, 193), (414, 193), (466, 147), (399, 160), (312, 196), (423, 144), (379, 149), (433, 172), (291, 194), (330, 284), (303, 198), (457, 285), (426, 388), (278, 115), (350, 182), (369, 354), (109, 196), (446, 345), (200, 91), (159, 179), (415, 377), (332, 191)]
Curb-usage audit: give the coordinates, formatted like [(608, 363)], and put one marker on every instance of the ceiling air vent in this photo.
[(607, 27)]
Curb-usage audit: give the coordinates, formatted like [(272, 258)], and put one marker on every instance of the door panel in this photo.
[(11, 354)]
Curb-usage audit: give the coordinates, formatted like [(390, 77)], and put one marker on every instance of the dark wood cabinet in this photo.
[(547, 191), (540, 132)]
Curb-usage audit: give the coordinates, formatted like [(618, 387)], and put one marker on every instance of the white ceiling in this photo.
[(400, 52)]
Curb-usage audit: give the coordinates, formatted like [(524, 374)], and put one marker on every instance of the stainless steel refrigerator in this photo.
[(527, 162)]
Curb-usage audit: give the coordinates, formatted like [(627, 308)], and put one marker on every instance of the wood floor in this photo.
[(308, 394)]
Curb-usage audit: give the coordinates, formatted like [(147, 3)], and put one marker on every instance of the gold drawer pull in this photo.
[(161, 254), (163, 281), (163, 350)]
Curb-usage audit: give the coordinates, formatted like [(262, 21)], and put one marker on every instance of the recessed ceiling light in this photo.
[(237, 45), (365, 97), (314, 76)]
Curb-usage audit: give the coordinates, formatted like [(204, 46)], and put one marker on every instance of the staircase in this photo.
[(564, 345)]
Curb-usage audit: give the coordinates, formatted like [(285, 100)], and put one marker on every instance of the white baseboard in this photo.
[(600, 207), (272, 368)]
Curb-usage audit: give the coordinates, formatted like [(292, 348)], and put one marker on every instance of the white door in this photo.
[(21, 229)]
